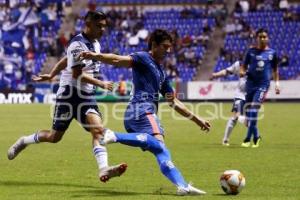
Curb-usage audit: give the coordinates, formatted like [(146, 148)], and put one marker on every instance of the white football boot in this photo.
[(189, 190), (112, 171), (16, 148)]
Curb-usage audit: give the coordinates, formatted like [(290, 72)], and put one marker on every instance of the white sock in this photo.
[(242, 119), (31, 139), (229, 127), (101, 156)]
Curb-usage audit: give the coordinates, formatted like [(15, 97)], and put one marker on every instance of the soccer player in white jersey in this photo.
[(76, 99), (238, 102)]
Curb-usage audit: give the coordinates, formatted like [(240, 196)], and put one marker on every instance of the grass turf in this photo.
[(67, 170)]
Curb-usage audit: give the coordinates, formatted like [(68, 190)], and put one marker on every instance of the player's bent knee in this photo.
[(97, 131), (153, 145)]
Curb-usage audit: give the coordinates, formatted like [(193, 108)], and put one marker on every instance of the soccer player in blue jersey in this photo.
[(75, 97), (259, 64), (141, 121)]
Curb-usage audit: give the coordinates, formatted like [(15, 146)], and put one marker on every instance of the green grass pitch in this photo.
[(67, 170)]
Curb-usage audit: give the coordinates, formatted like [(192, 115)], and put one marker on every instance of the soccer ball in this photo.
[(232, 181)]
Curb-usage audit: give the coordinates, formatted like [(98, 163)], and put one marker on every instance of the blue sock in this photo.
[(253, 124), (249, 130), (162, 154), (143, 140), (168, 168)]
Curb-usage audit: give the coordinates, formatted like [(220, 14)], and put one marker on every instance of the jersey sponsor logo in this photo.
[(260, 65)]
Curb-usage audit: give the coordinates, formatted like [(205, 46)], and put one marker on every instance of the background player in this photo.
[(259, 64), (75, 97), (238, 101), (149, 79)]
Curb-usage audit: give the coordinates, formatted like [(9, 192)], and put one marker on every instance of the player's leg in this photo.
[(231, 122), (63, 115), (155, 145), (52, 136), (95, 127), (248, 107), (258, 100)]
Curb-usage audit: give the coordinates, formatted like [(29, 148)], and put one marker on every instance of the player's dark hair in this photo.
[(261, 30), (158, 36), (94, 16)]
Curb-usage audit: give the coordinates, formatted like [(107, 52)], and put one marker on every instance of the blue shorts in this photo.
[(70, 105), (138, 119), (256, 96), (238, 106)]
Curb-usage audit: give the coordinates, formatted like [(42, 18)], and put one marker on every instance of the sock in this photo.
[(150, 143), (143, 140), (242, 119), (249, 130), (31, 139), (168, 168), (253, 124), (229, 127), (101, 156)]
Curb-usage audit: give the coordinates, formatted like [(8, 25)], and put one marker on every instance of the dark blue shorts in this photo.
[(255, 97), (71, 104)]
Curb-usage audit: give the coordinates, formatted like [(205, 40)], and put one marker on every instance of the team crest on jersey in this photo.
[(75, 52), (270, 57)]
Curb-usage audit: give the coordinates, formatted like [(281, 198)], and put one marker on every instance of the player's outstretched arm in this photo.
[(83, 77), (108, 58), (177, 105), (218, 74), (58, 67)]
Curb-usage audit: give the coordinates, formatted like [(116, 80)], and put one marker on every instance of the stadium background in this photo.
[(209, 36)]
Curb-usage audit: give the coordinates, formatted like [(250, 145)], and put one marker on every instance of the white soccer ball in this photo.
[(232, 181)]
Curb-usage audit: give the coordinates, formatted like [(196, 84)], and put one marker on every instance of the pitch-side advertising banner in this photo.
[(206, 90)]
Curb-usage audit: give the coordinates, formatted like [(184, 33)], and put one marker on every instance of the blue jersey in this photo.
[(149, 79), (260, 64)]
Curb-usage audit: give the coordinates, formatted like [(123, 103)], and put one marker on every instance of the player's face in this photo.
[(164, 48), (98, 28), (262, 39)]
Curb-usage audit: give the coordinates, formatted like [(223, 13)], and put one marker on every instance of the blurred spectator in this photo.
[(284, 61), (283, 5)]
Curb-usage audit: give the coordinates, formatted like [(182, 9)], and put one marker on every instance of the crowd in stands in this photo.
[(28, 32), (251, 15), (190, 27)]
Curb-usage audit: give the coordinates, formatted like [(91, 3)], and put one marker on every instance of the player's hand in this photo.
[(87, 55), (212, 77), (203, 124), (108, 85), (277, 90), (42, 77), (242, 73)]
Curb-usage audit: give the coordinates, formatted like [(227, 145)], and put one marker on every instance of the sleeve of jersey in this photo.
[(275, 61), (137, 58), (247, 59), (72, 53), (166, 88)]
